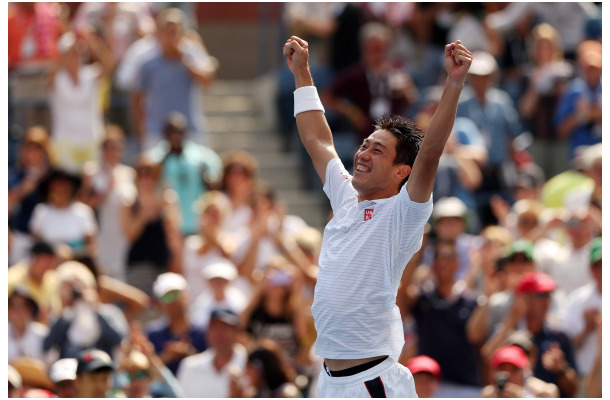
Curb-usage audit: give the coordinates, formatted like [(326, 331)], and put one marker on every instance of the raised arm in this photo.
[(313, 128), (421, 181)]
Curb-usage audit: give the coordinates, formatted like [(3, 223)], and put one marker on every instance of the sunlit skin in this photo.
[(93, 384), (375, 175), (425, 384)]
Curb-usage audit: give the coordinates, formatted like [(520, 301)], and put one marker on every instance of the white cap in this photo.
[(168, 282), (483, 64), (63, 370), (220, 269), (13, 377), (449, 207)]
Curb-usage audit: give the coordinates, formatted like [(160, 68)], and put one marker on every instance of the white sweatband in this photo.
[(306, 99)]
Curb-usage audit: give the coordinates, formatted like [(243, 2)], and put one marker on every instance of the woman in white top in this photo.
[(61, 219), (25, 335), (76, 112), (107, 185)]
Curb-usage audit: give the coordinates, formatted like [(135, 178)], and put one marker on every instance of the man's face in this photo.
[(169, 36), (173, 303), (41, 263), (221, 336), (374, 169), (425, 384), (450, 228), (175, 137), (515, 373), (20, 310), (538, 305), (66, 389), (93, 384), (515, 268), (445, 264)]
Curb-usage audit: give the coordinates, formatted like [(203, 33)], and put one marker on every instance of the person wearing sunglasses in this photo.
[(173, 335), (555, 362)]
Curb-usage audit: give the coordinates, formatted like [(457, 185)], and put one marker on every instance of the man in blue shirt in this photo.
[(169, 80), (578, 116), (188, 168)]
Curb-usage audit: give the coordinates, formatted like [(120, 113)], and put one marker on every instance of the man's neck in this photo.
[(221, 359)]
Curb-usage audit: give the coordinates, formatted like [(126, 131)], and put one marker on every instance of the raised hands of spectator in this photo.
[(554, 359), (175, 350), (509, 390), (591, 317), (500, 209), (518, 310)]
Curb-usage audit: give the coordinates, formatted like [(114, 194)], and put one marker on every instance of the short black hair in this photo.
[(408, 135)]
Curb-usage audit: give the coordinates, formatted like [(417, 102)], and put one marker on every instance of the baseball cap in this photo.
[(536, 282), (483, 64), (510, 354), (225, 315), (42, 247), (63, 370), (424, 364), (93, 360), (13, 377), (167, 282), (221, 269), (33, 372), (596, 250), (449, 207), (521, 246)]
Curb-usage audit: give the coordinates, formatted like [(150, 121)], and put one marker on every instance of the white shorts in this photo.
[(387, 379)]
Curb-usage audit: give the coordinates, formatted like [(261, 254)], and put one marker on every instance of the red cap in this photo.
[(510, 354), (424, 364), (536, 282)]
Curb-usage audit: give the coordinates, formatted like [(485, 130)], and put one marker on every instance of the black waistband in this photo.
[(355, 370)]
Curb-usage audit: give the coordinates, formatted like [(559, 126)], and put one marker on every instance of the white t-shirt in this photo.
[(76, 112), (573, 323), (570, 268), (365, 249), (198, 377), (30, 344), (67, 225)]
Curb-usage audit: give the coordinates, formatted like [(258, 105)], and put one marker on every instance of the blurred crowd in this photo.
[(179, 273)]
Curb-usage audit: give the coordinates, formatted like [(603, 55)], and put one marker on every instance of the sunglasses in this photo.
[(170, 297), (138, 375)]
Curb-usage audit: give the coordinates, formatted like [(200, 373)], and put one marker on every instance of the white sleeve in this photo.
[(37, 217), (411, 217), (338, 183), (90, 225)]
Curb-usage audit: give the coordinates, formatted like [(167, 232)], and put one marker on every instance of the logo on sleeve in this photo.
[(368, 213), (344, 174)]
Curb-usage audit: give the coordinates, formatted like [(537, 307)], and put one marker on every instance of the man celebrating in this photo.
[(377, 227)]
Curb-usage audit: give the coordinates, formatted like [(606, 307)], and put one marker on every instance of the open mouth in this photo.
[(362, 168)]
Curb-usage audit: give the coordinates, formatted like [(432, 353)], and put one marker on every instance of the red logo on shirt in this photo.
[(344, 174), (368, 213)]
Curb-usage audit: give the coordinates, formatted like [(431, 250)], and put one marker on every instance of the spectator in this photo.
[(93, 374), (15, 384), (239, 180), (426, 374), (25, 335), (37, 275), (63, 374), (84, 322), (208, 374), (449, 216), (221, 294), (275, 311), (147, 375), (188, 168), (372, 88), (24, 191), (173, 335), (150, 224), (441, 308), (267, 374), (511, 371), (107, 185), (459, 170), (547, 75), (212, 244), (492, 111), (76, 113), (583, 307), (33, 29), (189, 67), (555, 361), (61, 218), (579, 114)]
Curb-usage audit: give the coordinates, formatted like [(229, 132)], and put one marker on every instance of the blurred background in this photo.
[(165, 220)]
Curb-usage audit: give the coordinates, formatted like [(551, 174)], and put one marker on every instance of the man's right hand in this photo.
[(296, 51)]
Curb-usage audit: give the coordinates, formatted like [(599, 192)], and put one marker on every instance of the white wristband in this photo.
[(306, 99)]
